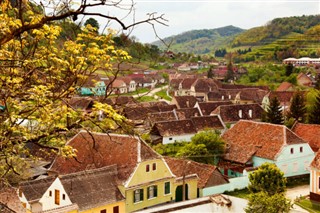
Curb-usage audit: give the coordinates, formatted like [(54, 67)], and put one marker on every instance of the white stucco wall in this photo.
[(172, 139), (48, 201)]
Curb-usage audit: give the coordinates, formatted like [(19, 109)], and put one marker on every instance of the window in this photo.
[(250, 113), (167, 188), (57, 197), (103, 211), (116, 209), (319, 183), (240, 113), (63, 197), (152, 191), (147, 168), (50, 193), (301, 149), (291, 151), (170, 139), (138, 195), (154, 166), (222, 98)]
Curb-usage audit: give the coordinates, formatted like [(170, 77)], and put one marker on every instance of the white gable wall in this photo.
[(48, 202), (177, 138)]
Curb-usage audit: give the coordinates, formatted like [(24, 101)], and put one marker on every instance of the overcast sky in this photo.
[(185, 15)]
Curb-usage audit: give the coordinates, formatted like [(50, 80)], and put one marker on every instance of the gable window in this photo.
[(154, 166), (147, 168), (50, 193), (63, 197), (56, 197), (301, 149), (152, 191), (170, 139), (240, 113), (167, 188), (103, 211), (222, 98), (138, 195), (116, 209), (250, 113), (291, 150)]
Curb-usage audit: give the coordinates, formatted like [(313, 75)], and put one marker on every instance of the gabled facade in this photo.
[(143, 177), (250, 144), (315, 178), (93, 86)]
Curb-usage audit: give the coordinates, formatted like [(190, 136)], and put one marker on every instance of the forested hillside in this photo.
[(201, 41)]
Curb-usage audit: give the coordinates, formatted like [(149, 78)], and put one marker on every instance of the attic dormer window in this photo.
[(229, 97), (222, 97), (291, 150), (240, 113), (147, 168), (250, 113)]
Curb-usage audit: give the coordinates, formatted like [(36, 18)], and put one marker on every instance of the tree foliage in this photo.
[(262, 203), (268, 178), (297, 108), (267, 190), (314, 115), (93, 22), (38, 75), (274, 112), (204, 147)]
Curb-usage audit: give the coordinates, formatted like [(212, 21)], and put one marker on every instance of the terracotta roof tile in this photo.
[(248, 138), (88, 188), (316, 161), (9, 200), (309, 133), (185, 101), (285, 86), (236, 112), (208, 175), (187, 113), (171, 128), (207, 107), (206, 85), (161, 116), (187, 83), (207, 122), (98, 150)]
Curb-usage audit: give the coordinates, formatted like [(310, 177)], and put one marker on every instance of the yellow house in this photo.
[(143, 177)]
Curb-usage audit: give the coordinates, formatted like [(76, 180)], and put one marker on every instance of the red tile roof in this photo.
[(187, 83), (208, 175), (171, 128), (207, 107), (96, 150), (309, 133), (235, 112), (206, 85), (316, 161), (185, 101), (285, 86), (9, 200), (248, 138), (207, 122)]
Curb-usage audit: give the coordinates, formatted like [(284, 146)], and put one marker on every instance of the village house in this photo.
[(284, 98), (186, 101), (166, 132), (92, 86), (9, 200), (187, 113), (250, 144), (315, 179), (143, 177), (285, 86), (202, 86), (83, 191), (130, 83), (232, 113), (302, 61), (185, 87), (309, 133), (305, 80), (206, 108)]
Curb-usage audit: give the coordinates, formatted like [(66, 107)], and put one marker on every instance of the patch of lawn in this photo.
[(146, 99), (241, 193), (163, 95), (307, 204)]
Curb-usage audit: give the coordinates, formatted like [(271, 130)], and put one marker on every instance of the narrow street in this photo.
[(296, 192)]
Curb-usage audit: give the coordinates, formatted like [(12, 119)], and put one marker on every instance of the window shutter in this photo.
[(141, 194)]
